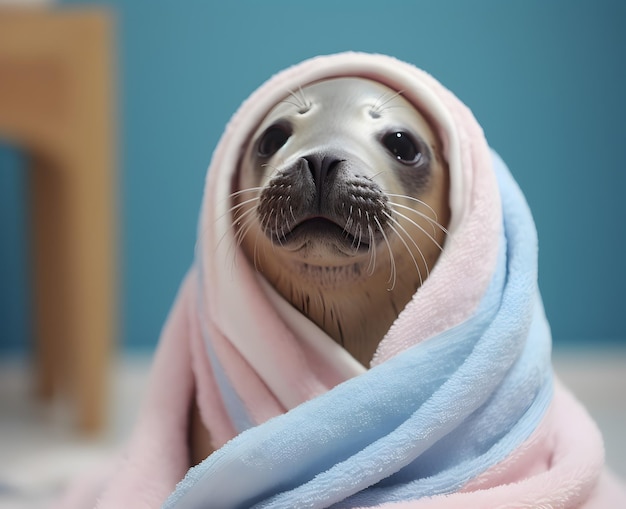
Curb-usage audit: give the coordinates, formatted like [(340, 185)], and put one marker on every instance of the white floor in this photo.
[(39, 448), (39, 451)]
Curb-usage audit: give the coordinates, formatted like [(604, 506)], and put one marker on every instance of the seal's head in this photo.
[(341, 203)]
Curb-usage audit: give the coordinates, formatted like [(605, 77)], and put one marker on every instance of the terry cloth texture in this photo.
[(459, 409)]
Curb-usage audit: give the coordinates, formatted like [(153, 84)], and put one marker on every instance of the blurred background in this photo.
[(545, 80)]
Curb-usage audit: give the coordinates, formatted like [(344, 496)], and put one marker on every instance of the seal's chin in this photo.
[(322, 236)]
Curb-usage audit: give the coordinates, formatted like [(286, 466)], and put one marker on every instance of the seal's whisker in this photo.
[(222, 237), (420, 214), (293, 103), (293, 216), (417, 200), (380, 103), (286, 227), (231, 198), (265, 249), (270, 166), (371, 266), (255, 253), (279, 232), (381, 172), (417, 267), (348, 225), (408, 236), (241, 232), (235, 208), (421, 228), (240, 216), (432, 222), (237, 240), (263, 223), (272, 231), (358, 235), (305, 101), (242, 229), (242, 191), (281, 237), (241, 204), (355, 235), (368, 222), (349, 221), (302, 103), (392, 260), (234, 225)]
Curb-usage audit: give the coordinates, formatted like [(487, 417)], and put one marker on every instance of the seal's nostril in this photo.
[(333, 164), (321, 166)]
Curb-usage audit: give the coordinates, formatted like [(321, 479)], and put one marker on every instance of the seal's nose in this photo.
[(322, 167)]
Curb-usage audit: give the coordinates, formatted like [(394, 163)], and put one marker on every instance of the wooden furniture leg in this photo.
[(56, 102)]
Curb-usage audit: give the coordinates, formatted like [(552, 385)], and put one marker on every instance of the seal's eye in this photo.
[(402, 146), (274, 138)]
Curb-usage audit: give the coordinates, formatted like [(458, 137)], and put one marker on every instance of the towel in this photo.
[(459, 407)]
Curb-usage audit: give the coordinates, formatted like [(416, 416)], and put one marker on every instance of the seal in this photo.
[(341, 203)]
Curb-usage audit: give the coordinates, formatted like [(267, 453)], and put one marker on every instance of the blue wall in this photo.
[(545, 79), (15, 331)]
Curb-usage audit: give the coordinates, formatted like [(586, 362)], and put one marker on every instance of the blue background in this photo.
[(546, 80)]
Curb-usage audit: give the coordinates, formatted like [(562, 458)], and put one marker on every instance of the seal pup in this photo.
[(341, 203)]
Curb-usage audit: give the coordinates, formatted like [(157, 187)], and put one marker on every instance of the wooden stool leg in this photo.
[(89, 232), (49, 256), (75, 281)]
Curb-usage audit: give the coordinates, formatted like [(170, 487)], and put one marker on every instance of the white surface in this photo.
[(39, 452), (598, 380), (39, 448)]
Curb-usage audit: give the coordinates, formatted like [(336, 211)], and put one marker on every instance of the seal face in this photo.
[(340, 202)]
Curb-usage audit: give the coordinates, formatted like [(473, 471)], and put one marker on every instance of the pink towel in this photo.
[(249, 357)]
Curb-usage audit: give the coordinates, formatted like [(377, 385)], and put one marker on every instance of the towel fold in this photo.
[(459, 408), (423, 423)]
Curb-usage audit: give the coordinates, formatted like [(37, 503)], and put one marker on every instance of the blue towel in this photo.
[(423, 423)]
